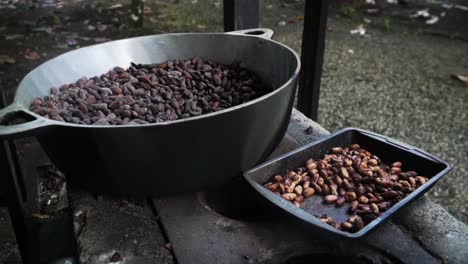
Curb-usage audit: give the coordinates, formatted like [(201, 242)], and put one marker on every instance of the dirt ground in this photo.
[(394, 79)]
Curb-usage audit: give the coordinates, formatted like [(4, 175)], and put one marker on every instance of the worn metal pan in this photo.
[(192, 154), (389, 150)]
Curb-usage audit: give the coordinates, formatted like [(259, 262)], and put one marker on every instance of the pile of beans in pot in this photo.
[(151, 93), (351, 176)]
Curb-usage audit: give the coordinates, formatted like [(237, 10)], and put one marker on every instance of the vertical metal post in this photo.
[(11, 190), (39, 240), (240, 14), (313, 43)]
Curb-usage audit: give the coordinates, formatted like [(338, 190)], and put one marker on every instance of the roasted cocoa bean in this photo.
[(155, 88), (340, 202), (374, 208), (330, 199), (317, 188), (272, 186), (371, 190), (346, 226), (289, 196), (350, 196), (353, 207), (308, 192), (363, 199), (278, 178), (298, 189), (299, 198)]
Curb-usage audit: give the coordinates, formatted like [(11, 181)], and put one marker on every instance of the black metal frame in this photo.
[(238, 14), (40, 238), (243, 14)]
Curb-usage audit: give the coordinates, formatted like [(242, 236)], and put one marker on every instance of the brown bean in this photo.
[(337, 150), (330, 199), (346, 184), (374, 208), (282, 188), (358, 223), (272, 186), (346, 226), (308, 192), (278, 178), (289, 196), (389, 195), (353, 206), (363, 199), (350, 196), (340, 202), (317, 188), (325, 189), (298, 189), (373, 162), (299, 198)]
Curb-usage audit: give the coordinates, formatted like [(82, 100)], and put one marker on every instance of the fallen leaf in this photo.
[(43, 29), (461, 7), (432, 20), (460, 78), (201, 26), (61, 46), (360, 30), (421, 13), (72, 42), (14, 36), (31, 54), (102, 27), (101, 39), (300, 18), (114, 6), (6, 59)]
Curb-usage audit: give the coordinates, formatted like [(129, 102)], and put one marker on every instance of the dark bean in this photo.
[(155, 93)]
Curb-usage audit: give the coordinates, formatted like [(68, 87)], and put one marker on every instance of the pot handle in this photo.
[(14, 131), (265, 33)]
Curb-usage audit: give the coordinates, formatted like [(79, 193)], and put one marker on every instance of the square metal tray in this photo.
[(387, 149)]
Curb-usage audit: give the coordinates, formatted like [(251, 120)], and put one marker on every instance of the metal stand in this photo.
[(41, 238), (50, 239)]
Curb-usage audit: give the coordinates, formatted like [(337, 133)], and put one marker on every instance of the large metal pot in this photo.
[(192, 154)]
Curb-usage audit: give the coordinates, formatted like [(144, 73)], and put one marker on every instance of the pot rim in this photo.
[(165, 123)]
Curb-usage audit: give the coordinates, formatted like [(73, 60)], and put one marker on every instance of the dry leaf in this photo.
[(460, 78), (6, 59), (31, 54)]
